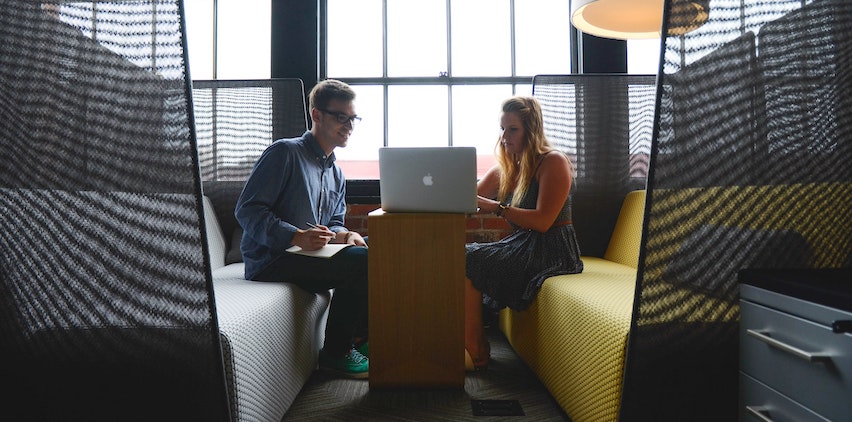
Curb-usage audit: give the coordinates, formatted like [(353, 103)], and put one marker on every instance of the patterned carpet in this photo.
[(327, 398)]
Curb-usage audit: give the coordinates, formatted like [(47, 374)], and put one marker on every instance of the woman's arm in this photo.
[(486, 190), (554, 180)]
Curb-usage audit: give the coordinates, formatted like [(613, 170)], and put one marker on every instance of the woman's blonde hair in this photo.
[(518, 170)]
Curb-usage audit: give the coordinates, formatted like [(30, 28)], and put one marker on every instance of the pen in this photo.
[(314, 226)]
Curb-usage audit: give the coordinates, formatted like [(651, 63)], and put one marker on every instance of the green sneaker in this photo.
[(364, 349), (352, 365)]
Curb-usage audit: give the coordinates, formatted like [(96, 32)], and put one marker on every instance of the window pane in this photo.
[(417, 38), (123, 29), (476, 120), (354, 38), (417, 116), (643, 56), (244, 40), (359, 159), (199, 37), (481, 38), (543, 37), (524, 89)]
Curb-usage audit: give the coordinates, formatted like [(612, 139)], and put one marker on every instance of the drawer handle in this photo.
[(795, 351), (759, 412), (842, 326)]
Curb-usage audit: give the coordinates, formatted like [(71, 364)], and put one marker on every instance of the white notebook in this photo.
[(326, 251), (428, 179)]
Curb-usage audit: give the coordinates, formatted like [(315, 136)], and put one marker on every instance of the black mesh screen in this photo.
[(749, 169), (604, 123), (236, 120), (106, 305)]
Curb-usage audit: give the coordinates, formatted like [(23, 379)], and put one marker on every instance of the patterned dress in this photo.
[(510, 272)]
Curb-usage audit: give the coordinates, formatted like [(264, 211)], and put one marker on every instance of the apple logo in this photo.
[(427, 179)]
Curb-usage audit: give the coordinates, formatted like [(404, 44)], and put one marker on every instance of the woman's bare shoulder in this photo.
[(555, 159)]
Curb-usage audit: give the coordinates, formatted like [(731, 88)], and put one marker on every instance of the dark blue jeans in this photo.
[(346, 273)]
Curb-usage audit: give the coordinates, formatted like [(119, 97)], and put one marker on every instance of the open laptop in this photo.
[(428, 179)]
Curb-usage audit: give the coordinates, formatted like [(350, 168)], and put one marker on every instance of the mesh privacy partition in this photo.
[(604, 123), (236, 120), (106, 305), (749, 169)]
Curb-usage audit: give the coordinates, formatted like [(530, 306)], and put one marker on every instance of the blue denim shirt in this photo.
[(292, 183)]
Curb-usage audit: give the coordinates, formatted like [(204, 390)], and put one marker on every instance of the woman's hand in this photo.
[(486, 205)]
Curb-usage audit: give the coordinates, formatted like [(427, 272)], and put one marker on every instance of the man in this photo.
[(295, 196)]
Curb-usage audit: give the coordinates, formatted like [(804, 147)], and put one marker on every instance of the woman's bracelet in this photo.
[(346, 238), (500, 208)]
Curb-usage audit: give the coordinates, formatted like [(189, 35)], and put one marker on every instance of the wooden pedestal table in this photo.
[(416, 293)]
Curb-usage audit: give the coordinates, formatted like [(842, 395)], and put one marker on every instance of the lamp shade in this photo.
[(625, 19)]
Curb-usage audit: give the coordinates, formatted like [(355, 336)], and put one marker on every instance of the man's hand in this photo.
[(313, 238), (355, 238)]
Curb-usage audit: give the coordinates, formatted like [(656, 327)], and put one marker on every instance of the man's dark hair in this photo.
[(330, 89)]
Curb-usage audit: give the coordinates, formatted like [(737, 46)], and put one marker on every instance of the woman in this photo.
[(528, 187)]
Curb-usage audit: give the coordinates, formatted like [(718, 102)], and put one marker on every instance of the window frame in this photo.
[(445, 79), (297, 51)]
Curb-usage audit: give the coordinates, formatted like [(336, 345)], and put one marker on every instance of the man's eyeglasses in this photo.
[(341, 117)]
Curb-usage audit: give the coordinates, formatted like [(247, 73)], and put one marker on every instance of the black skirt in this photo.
[(510, 272)]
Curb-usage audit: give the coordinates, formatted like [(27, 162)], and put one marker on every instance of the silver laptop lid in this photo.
[(428, 179)]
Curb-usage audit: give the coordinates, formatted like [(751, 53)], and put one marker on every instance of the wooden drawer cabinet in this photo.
[(795, 347)]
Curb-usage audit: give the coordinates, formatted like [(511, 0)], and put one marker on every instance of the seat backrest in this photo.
[(106, 302), (626, 237), (236, 120), (605, 125), (216, 243)]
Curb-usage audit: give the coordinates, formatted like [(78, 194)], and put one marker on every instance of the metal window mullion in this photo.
[(322, 42), (154, 38), (512, 43), (95, 22), (420, 80), (215, 39), (577, 56), (385, 85), (449, 72)]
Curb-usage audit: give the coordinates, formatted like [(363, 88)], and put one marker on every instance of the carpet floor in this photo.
[(506, 385)]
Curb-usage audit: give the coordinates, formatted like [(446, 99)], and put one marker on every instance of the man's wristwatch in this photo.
[(501, 207)]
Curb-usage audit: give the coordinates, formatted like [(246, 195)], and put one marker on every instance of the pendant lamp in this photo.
[(626, 19)]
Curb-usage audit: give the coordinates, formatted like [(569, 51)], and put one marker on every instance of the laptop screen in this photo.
[(428, 179)]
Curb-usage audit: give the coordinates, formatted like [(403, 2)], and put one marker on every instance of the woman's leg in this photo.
[(474, 336)]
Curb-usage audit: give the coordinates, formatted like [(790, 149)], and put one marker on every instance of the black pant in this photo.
[(346, 273)]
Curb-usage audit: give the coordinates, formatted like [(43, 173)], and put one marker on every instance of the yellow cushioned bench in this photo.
[(574, 335)]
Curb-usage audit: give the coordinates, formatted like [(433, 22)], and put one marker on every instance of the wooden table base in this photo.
[(416, 294)]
